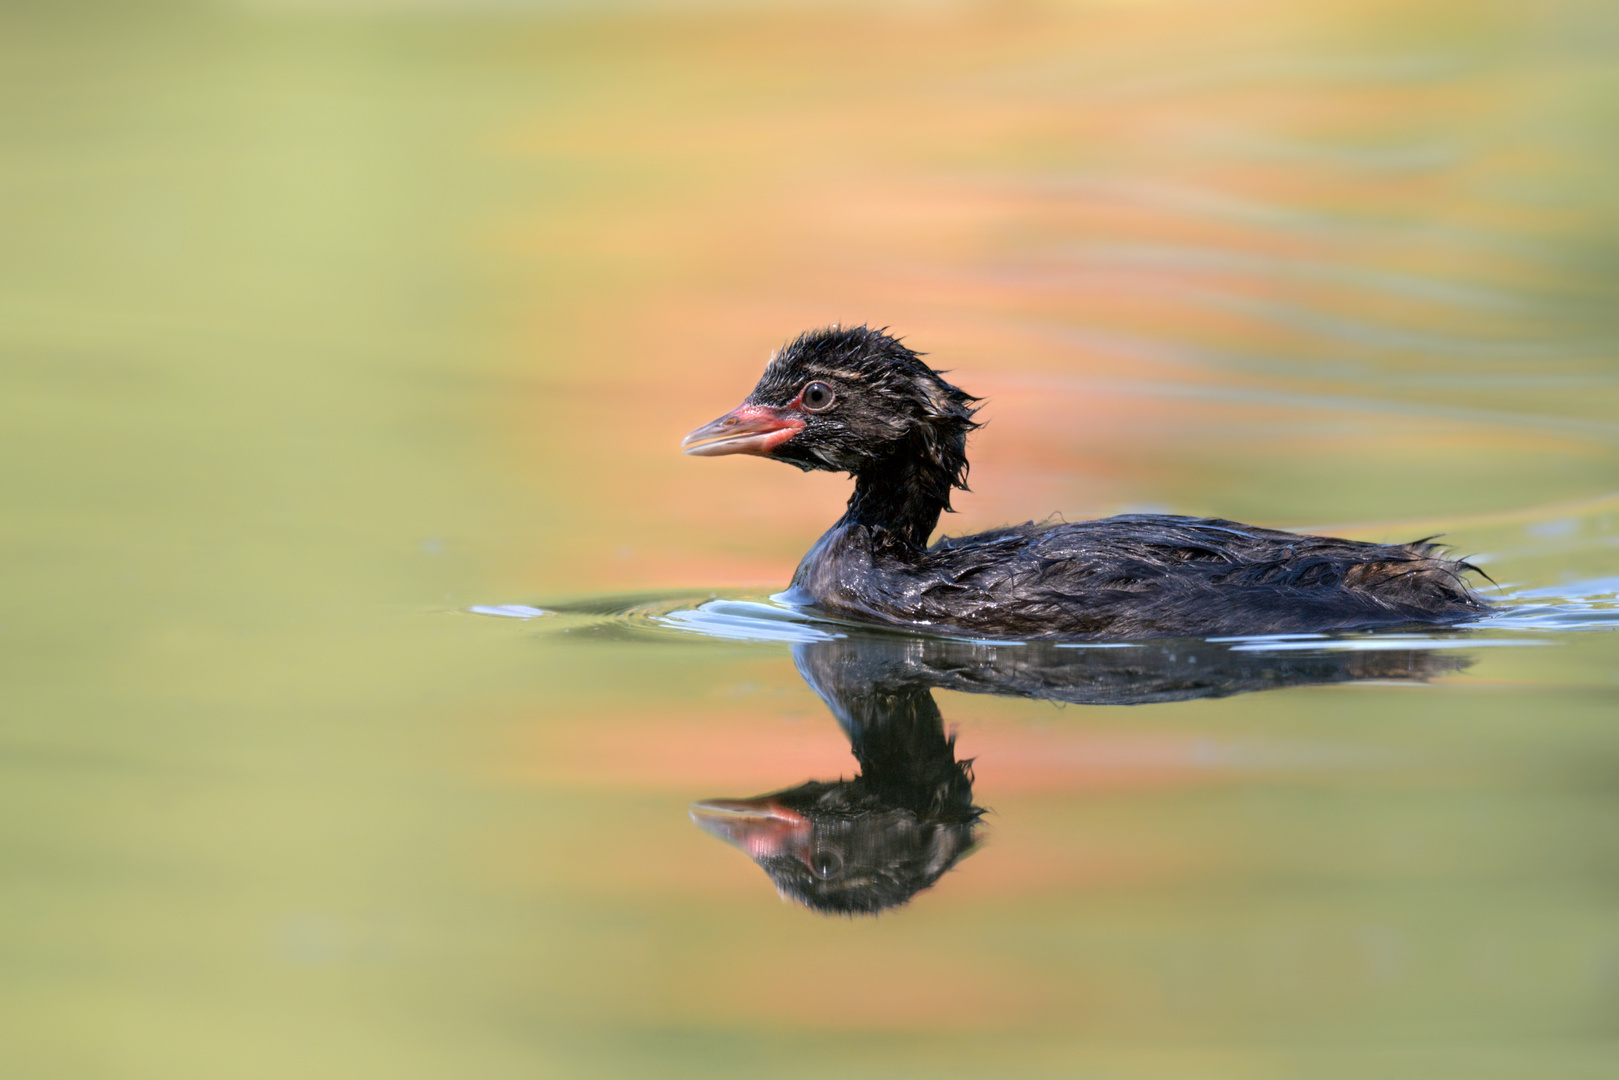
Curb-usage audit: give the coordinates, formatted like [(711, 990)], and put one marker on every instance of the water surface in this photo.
[(324, 326)]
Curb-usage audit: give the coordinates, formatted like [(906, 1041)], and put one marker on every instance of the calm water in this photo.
[(323, 324)]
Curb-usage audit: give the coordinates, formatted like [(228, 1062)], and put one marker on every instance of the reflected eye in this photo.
[(817, 397), (825, 864)]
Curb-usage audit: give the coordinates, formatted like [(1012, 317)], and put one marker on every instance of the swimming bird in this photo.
[(857, 400)]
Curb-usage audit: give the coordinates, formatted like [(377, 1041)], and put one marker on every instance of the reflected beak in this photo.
[(746, 429), (761, 827)]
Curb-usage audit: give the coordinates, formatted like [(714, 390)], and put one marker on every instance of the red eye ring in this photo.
[(817, 397)]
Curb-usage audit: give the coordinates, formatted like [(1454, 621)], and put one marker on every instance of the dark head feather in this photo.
[(888, 403), (895, 424)]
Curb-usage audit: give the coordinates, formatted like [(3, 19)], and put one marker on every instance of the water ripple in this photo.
[(1575, 606)]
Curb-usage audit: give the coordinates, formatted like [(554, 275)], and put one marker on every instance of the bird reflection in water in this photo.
[(863, 845)]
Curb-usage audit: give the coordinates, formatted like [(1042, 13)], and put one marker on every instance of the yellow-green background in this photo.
[(322, 321)]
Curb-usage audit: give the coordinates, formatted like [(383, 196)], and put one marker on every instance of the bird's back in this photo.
[(1144, 575)]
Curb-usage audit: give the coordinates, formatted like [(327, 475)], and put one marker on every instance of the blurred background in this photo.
[(322, 321)]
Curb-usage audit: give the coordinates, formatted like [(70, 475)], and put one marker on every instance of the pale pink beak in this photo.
[(761, 827), (746, 429)]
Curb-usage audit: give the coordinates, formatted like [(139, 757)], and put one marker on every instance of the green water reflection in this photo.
[(320, 323)]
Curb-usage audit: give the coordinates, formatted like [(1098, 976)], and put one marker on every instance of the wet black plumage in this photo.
[(856, 400)]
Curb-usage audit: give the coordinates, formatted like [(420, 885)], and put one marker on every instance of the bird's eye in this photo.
[(817, 397), (825, 863)]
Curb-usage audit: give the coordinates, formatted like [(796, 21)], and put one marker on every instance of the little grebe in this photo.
[(855, 400)]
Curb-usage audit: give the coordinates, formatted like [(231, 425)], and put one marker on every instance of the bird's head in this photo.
[(837, 850), (846, 400)]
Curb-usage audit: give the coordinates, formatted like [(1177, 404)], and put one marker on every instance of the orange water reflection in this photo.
[(324, 320), (1176, 262)]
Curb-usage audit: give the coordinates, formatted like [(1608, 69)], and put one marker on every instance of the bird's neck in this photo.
[(906, 759), (901, 498)]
